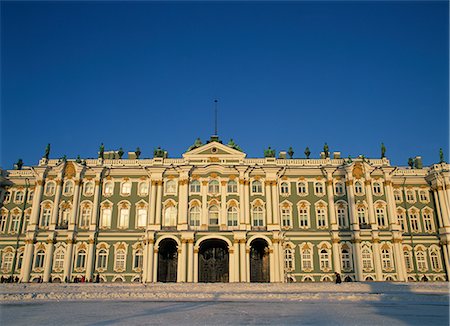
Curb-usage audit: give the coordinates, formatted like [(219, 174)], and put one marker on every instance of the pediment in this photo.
[(214, 150)]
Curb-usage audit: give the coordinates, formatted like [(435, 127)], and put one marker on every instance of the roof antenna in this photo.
[(215, 117)]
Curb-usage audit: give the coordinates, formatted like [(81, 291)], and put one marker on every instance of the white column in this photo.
[(241, 205), (158, 204), (247, 202), (96, 205), (231, 269), (68, 260), (357, 260), (444, 207), (276, 252), (446, 251), (27, 261), (183, 204), (150, 261), (393, 223), (90, 260), (75, 204), (190, 273), (155, 265), (55, 210), (243, 267), (179, 265), (336, 256), (331, 207), (399, 260), (236, 260), (276, 205), (377, 259), (152, 204), (183, 259), (247, 265), (223, 206), (369, 197), (204, 216), (48, 260), (272, 263), (35, 210), (195, 265), (351, 205), (269, 203), (438, 209)]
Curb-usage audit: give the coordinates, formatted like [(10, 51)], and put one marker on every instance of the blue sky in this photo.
[(353, 74)]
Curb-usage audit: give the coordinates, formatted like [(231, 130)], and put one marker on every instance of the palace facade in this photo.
[(216, 216)]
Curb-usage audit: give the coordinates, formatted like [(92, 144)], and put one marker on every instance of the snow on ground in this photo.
[(225, 304)]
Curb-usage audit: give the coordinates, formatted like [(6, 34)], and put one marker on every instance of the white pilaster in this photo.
[(55, 211), (48, 260), (190, 273)]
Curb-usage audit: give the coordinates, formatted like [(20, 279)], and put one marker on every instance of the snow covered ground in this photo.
[(225, 304)]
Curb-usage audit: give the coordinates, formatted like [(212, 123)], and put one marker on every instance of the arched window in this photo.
[(18, 198), (194, 187), (108, 188), (421, 260), (102, 259), (138, 259), (7, 262), (376, 188), (213, 187), (46, 214), (85, 216), (302, 188), (124, 216), (232, 187), (286, 217), (324, 259), (414, 220), (58, 262), (423, 196), (232, 217), (362, 218), (89, 188), (386, 259), (401, 218), (256, 187), (68, 187), (125, 188), (50, 188), (170, 216), (258, 216), (40, 258), (321, 213), (194, 217), (398, 196), (81, 259), (428, 223), (366, 254), (171, 187), (318, 188), (213, 215), (105, 221), (284, 188), (346, 259), (64, 217), (303, 216), (410, 196), (289, 259), (120, 261), (339, 188), (143, 189), (19, 261), (408, 260), (359, 190), (141, 217), (15, 219), (435, 258), (307, 261), (3, 218), (380, 214), (342, 216)]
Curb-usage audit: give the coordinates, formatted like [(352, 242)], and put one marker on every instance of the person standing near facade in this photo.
[(338, 278)]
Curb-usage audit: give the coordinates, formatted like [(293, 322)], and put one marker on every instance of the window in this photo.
[(26, 220), (125, 188), (302, 188), (124, 216), (7, 262), (339, 188), (288, 259), (232, 187), (256, 187), (362, 218), (106, 217), (286, 220), (19, 261), (421, 260), (50, 188), (410, 196), (435, 258), (342, 216), (194, 217), (359, 190), (18, 198), (58, 263), (346, 259), (307, 263), (15, 219), (258, 216), (381, 217), (102, 259), (7, 197), (30, 196), (46, 215), (81, 259), (195, 187), (414, 220), (213, 187), (108, 188), (366, 254), (398, 196), (170, 216), (428, 223), (64, 217), (138, 259), (213, 215), (120, 262), (143, 189), (386, 259), (40, 258), (376, 188), (408, 260), (324, 258), (68, 188), (3, 218), (318, 188), (88, 188), (85, 216), (232, 216), (303, 216), (321, 213), (423, 196), (284, 188), (141, 220)]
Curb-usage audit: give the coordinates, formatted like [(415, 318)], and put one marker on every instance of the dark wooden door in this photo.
[(259, 264), (213, 265), (167, 263)]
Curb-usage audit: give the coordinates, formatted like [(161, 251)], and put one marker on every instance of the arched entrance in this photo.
[(167, 261), (213, 261), (259, 261)]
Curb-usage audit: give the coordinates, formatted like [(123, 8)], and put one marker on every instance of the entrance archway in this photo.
[(167, 261), (213, 261), (259, 261)]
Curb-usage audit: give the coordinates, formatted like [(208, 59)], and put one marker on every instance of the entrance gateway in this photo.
[(213, 261)]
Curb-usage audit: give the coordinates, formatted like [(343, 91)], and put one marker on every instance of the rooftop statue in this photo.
[(78, 160), (269, 152), (290, 152), (411, 162), (441, 156), (326, 150), (120, 152), (19, 164), (307, 152), (137, 152), (383, 150), (197, 144), (349, 160), (233, 145), (101, 151), (159, 152), (47, 151)]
